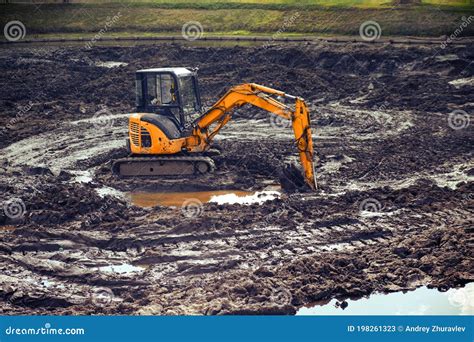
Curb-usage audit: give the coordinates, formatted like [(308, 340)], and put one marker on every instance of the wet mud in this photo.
[(394, 163)]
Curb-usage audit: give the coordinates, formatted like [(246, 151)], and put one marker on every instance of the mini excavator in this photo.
[(170, 133)]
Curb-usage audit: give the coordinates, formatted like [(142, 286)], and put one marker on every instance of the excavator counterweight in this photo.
[(170, 135)]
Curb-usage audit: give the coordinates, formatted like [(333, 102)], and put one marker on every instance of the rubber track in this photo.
[(115, 163)]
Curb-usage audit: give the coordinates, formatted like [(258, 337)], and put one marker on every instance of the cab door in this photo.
[(190, 100)]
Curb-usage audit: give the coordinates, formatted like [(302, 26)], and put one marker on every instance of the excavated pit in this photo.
[(393, 211)]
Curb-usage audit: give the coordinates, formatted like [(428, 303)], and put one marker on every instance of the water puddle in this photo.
[(422, 301), (110, 64), (462, 82), (87, 177), (7, 229), (108, 191), (120, 269), (103, 117), (365, 213), (82, 176), (176, 199), (256, 197), (47, 283), (459, 173), (447, 58)]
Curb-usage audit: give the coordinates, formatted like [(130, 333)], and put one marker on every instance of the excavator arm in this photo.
[(210, 123)]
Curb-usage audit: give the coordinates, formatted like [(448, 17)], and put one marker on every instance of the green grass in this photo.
[(281, 4), (239, 17)]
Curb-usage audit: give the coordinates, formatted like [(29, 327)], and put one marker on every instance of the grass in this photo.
[(281, 4), (240, 17)]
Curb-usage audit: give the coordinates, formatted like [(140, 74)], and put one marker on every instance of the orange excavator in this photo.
[(170, 134)]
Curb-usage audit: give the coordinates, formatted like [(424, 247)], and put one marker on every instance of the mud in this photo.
[(394, 167)]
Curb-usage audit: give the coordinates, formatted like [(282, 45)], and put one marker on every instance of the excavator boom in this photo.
[(259, 96)]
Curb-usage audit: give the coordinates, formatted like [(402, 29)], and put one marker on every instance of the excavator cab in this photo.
[(169, 92)]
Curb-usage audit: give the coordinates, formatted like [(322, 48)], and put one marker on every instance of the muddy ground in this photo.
[(394, 164)]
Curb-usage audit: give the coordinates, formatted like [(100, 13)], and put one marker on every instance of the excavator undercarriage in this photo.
[(167, 165)]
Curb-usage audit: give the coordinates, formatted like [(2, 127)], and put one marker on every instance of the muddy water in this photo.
[(173, 199), (6, 229), (152, 199), (422, 301)]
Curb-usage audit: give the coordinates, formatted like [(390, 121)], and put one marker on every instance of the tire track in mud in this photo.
[(244, 259), (173, 255), (258, 243), (166, 256), (78, 140), (63, 147)]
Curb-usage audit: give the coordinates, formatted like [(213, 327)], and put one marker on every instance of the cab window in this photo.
[(188, 95), (167, 89), (151, 89), (139, 92), (161, 90)]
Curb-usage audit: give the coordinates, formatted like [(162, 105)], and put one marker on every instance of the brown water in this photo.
[(7, 229), (151, 199)]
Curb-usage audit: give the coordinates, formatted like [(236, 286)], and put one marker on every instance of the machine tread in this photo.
[(185, 159)]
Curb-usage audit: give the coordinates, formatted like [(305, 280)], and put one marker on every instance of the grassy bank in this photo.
[(236, 17)]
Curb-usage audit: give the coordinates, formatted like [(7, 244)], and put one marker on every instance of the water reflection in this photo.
[(422, 301)]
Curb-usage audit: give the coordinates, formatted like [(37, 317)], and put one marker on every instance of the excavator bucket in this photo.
[(293, 180)]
